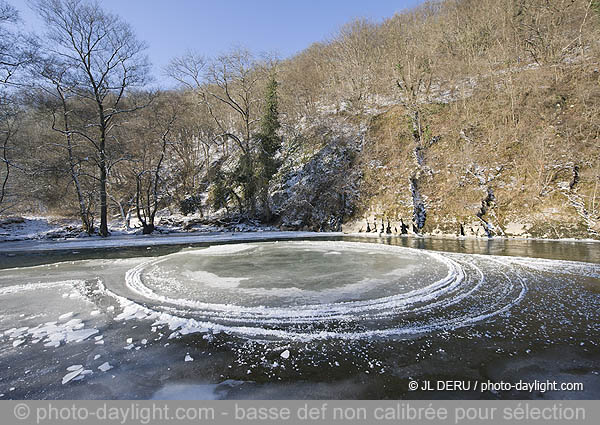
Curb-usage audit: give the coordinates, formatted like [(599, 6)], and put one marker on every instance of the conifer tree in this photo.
[(269, 145)]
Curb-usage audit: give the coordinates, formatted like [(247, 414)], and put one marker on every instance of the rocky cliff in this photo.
[(481, 165)]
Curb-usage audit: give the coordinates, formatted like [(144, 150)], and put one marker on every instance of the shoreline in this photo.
[(132, 240), (181, 238), (471, 238)]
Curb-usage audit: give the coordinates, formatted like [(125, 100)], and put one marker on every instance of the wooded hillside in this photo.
[(460, 116)]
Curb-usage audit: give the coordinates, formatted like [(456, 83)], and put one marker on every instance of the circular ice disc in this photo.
[(289, 274), (316, 289)]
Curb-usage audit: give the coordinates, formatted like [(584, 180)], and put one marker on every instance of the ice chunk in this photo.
[(105, 367), (71, 375), (189, 358), (15, 333), (75, 367), (285, 354), (65, 316), (80, 335), (75, 324)]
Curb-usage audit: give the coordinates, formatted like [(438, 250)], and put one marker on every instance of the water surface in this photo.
[(341, 317)]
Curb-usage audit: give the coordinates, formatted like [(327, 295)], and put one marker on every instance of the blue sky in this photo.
[(170, 27)]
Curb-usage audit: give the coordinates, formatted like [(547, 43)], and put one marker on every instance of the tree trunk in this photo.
[(83, 211), (148, 228), (103, 202), (7, 165), (267, 214)]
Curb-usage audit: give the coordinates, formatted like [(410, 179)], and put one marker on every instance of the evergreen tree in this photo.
[(269, 145), (245, 178), (222, 192)]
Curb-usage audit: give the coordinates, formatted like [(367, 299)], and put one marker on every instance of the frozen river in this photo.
[(345, 317)]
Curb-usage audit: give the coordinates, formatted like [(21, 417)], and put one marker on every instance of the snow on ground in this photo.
[(23, 228), (49, 233), (33, 227), (37, 227)]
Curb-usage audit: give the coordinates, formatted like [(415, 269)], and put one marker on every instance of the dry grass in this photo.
[(525, 148)]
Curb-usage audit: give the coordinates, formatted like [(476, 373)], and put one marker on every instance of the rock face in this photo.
[(324, 190), (322, 193), (517, 229), (390, 227), (465, 171)]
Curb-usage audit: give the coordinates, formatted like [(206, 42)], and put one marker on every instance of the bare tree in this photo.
[(188, 70), (229, 93), (15, 50), (543, 27), (150, 147), (106, 60), (193, 149), (414, 82), (232, 80), (15, 53), (198, 134), (304, 81), (7, 131), (57, 82), (357, 50), (233, 84)]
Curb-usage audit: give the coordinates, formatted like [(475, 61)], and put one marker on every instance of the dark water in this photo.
[(586, 251), (555, 250), (526, 311)]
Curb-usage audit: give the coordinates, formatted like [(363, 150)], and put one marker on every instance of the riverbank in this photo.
[(132, 240)]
